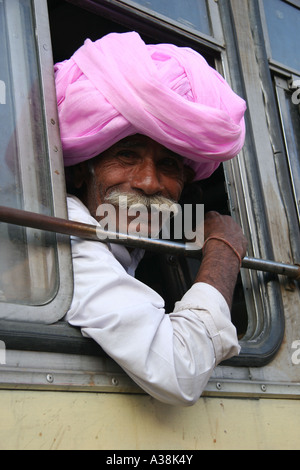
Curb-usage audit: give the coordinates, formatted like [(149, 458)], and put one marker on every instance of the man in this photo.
[(142, 121)]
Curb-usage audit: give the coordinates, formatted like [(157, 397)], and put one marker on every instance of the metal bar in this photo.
[(92, 232)]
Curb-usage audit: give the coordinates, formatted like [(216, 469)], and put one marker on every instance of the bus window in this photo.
[(226, 191), (283, 26), (191, 14), (29, 258), (288, 100)]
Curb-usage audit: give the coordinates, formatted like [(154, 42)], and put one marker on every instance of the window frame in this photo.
[(284, 78), (53, 310), (124, 13), (295, 3), (264, 333), (274, 64), (214, 21), (285, 87)]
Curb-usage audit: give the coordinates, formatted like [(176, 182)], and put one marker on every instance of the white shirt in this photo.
[(170, 356)]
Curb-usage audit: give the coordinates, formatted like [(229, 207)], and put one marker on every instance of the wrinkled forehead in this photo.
[(143, 142)]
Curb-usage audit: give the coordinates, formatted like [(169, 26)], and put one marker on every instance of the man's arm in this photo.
[(220, 265), (170, 356)]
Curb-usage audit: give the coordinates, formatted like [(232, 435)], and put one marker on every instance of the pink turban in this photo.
[(119, 86)]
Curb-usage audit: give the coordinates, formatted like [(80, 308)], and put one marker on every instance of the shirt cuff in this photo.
[(212, 309)]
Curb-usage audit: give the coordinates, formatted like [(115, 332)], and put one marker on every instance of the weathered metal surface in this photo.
[(73, 421)]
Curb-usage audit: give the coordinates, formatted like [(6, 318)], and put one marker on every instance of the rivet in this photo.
[(49, 378)]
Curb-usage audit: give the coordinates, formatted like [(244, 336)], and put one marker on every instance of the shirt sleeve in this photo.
[(172, 356)]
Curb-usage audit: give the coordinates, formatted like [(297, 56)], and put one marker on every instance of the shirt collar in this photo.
[(129, 260)]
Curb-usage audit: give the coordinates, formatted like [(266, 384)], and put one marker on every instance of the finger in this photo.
[(211, 215)]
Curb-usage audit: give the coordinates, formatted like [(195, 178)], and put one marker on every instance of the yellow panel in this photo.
[(71, 420)]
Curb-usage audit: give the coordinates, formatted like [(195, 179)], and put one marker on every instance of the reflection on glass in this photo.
[(27, 256), (283, 22), (191, 13)]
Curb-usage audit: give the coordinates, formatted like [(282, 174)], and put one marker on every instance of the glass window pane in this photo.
[(190, 13), (27, 256), (290, 116), (283, 22)]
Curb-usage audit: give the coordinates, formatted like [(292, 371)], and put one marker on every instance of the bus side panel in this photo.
[(66, 420)]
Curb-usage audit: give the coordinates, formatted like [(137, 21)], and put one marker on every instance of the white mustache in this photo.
[(126, 200)]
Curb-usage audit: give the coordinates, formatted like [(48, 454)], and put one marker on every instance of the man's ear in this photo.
[(80, 175)]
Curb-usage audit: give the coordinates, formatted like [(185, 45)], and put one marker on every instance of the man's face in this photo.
[(135, 166)]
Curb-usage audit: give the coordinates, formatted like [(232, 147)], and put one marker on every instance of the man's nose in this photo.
[(146, 178)]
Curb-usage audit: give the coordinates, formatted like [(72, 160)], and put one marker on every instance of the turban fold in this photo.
[(119, 86)]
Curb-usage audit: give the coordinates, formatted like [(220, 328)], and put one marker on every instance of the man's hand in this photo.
[(223, 226), (220, 265)]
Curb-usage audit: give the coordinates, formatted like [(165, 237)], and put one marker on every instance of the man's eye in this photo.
[(171, 163), (127, 156)]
